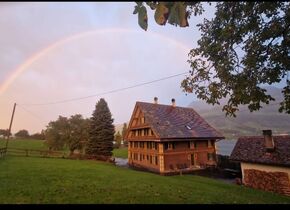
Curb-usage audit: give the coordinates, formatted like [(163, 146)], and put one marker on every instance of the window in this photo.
[(139, 132), (192, 145), (195, 144), (165, 146), (210, 156), (147, 157), (140, 156), (130, 145), (210, 143), (151, 159), (146, 131), (143, 120), (135, 156), (156, 160), (171, 145)]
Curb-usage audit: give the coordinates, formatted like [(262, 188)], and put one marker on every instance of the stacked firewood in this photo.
[(277, 182)]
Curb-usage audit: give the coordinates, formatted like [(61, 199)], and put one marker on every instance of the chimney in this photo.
[(173, 102), (269, 141), (155, 100)]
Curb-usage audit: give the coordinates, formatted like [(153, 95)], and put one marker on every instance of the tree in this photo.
[(245, 46), (22, 134), (78, 133), (4, 132), (101, 132), (118, 139), (57, 133), (38, 136), (124, 131)]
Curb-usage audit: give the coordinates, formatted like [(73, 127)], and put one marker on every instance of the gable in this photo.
[(139, 127)]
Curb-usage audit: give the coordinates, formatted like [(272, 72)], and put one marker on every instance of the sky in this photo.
[(53, 51)]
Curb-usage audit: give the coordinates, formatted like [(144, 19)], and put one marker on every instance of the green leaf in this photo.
[(182, 14), (178, 15), (161, 14), (136, 10), (152, 5), (142, 18), (173, 18)]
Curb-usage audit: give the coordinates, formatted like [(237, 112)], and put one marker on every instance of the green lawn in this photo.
[(121, 153), (24, 144), (49, 180), (39, 145)]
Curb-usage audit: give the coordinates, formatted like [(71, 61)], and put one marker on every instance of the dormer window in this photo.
[(188, 127)]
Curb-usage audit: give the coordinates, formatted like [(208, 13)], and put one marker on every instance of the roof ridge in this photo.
[(165, 105)]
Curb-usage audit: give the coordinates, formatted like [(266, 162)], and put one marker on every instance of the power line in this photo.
[(107, 92), (31, 113)]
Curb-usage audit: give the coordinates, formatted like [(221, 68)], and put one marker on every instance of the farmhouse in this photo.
[(169, 139), (265, 161)]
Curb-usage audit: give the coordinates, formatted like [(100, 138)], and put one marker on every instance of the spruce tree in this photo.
[(101, 132)]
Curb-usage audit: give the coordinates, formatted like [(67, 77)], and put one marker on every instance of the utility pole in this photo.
[(9, 131)]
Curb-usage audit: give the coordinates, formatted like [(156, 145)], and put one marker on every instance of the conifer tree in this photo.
[(101, 132)]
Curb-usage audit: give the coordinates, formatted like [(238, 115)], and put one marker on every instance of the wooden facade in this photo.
[(148, 149)]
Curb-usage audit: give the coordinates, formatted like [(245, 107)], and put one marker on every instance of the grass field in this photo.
[(49, 180), (24, 144), (121, 153), (39, 145)]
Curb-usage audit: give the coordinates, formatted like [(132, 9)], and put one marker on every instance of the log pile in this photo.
[(277, 182)]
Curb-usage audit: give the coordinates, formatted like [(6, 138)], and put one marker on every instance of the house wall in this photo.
[(265, 177), (144, 157), (170, 158)]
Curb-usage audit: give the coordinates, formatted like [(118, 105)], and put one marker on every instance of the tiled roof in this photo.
[(177, 122), (252, 149)]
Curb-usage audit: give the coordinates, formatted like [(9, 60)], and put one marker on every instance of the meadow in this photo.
[(34, 180)]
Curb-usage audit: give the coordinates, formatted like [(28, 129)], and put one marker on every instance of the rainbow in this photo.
[(24, 66)]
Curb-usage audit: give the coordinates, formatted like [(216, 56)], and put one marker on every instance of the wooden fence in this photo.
[(35, 153), (3, 152), (52, 154)]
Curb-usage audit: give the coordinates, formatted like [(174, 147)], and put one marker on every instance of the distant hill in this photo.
[(246, 123)]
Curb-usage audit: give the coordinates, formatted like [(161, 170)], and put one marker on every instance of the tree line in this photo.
[(23, 134), (93, 136)]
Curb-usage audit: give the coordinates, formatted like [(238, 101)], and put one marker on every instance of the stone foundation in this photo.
[(277, 182)]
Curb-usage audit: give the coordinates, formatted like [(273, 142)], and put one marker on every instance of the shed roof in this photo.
[(252, 149)]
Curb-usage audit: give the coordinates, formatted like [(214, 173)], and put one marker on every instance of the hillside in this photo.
[(246, 123)]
